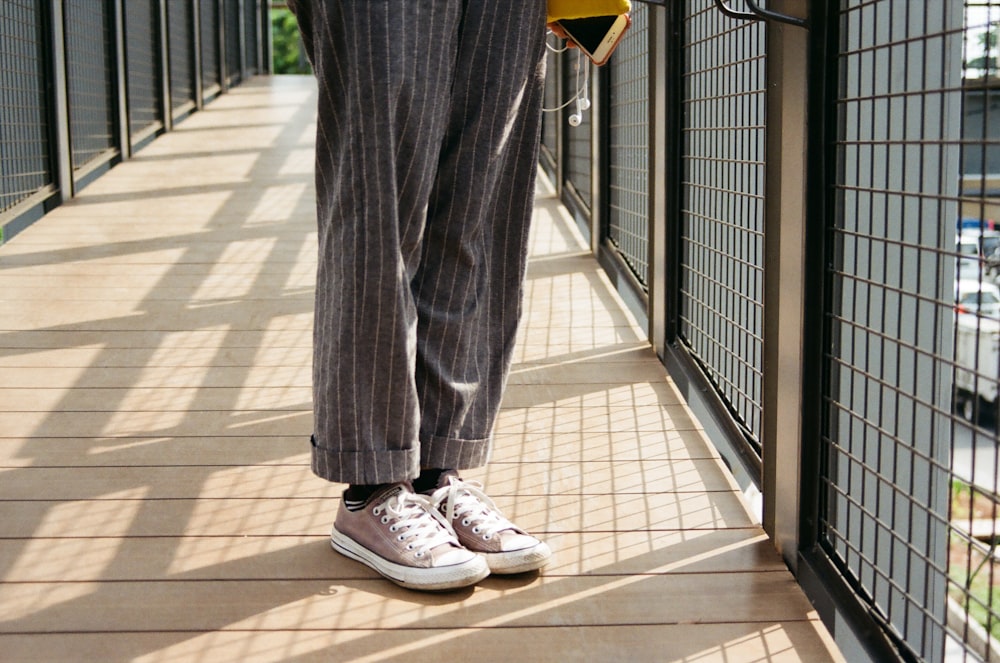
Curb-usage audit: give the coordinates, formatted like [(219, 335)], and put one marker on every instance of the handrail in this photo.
[(758, 13)]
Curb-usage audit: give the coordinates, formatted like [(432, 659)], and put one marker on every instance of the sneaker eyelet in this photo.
[(377, 510), (419, 554), (465, 522), (476, 530), (385, 521), (487, 537), (400, 537), (409, 546)]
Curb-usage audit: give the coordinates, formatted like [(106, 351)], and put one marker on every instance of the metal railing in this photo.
[(802, 198), (86, 83)]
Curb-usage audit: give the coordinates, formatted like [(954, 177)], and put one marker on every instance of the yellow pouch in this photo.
[(560, 9)]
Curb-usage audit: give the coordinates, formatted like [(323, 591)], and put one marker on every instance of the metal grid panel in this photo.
[(721, 319), (143, 57), (231, 16), (180, 19), (550, 119), (628, 154), (89, 74), (894, 332), (578, 140), (24, 128), (210, 57)]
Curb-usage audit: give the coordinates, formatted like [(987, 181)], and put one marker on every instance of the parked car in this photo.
[(972, 224), (974, 296), (978, 254), (977, 349), (977, 358)]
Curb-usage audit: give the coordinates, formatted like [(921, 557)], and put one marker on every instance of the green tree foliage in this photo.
[(988, 39), (288, 55)]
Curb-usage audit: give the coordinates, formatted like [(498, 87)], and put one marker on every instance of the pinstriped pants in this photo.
[(429, 119)]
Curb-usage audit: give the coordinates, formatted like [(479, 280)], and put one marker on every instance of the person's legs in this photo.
[(426, 157), (385, 71), (469, 284), (426, 147)]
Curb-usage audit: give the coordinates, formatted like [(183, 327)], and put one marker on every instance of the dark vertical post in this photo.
[(199, 81), (784, 279), (63, 152), (166, 102), (120, 63)]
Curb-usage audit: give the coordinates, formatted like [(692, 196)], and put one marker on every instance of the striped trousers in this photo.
[(426, 150)]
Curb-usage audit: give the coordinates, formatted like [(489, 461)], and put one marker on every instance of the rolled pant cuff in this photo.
[(368, 467), (454, 454)]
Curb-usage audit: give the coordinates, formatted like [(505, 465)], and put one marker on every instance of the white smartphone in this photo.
[(597, 36)]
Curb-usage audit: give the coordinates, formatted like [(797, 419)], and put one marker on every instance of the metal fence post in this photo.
[(166, 103), (784, 279), (599, 91), (659, 281), (62, 156), (121, 78), (224, 73), (242, 37), (266, 38), (199, 78)]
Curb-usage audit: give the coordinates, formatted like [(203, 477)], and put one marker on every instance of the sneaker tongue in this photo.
[(388, 493), (445, 478)]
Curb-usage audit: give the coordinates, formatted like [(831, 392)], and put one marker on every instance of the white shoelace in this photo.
[(416, 520), (466, 500)]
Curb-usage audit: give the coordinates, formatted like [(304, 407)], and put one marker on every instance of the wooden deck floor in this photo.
[(155, 498)]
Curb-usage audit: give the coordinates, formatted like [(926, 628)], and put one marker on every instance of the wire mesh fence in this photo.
[(579, 146), (180, 21), (910, 446), (233, 53), (142, 43), (89, 75), (722, 216), (211, 54), (628, 147), (24, 110)]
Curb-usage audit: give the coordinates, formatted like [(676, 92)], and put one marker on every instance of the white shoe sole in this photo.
[(519, 561), (437, 578)]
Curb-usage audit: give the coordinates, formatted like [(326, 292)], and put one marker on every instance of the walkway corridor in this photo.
[(156, 502)]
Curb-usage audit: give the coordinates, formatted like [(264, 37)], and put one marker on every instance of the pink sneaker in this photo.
[(481, 527), (402, 536)]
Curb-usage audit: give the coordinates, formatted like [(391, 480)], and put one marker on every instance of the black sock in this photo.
[(428, 480), (357, 495)]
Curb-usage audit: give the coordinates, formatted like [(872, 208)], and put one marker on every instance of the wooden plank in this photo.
[(304, 557), (205, 377), (166, 399), (295, 504), (202, 450), (181, 339), (240, 479), (200, 419), (802, 641), (336, 603)]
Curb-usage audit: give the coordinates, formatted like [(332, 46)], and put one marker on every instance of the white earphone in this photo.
[(582, 105), (582, 96)]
